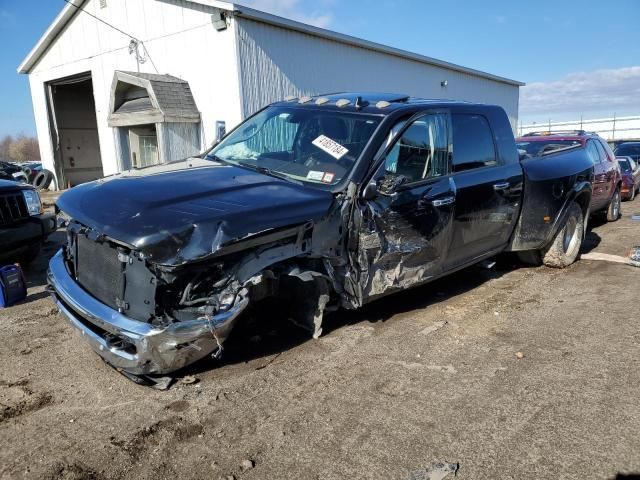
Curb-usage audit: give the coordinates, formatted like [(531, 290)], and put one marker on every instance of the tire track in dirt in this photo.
[(17, 398)]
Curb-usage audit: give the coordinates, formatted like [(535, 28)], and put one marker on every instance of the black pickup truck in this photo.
[(23, 224), (324, 202)]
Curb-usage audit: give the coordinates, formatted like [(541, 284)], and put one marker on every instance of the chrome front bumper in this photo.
[(136, 347)]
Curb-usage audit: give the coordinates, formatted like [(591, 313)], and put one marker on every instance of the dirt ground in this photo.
[(426, 376)]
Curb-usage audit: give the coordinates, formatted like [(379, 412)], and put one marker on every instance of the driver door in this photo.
[(405, 227)]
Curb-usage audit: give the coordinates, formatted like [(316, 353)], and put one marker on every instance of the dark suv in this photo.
[(607, 176), (23, 223), (629, 149)]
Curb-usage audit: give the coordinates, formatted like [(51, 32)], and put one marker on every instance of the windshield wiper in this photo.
[(215, 158), (272, 173)]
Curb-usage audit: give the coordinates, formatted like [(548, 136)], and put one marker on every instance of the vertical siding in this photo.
[(275, 62), (178, 140)]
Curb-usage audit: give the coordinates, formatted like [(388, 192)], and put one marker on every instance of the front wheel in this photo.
[(565, 247), (613, 212)]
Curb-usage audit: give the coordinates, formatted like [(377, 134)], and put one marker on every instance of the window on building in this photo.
[(143, 144), (473, 145)]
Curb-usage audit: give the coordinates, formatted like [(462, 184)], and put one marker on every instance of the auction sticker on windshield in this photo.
[(332, 147)]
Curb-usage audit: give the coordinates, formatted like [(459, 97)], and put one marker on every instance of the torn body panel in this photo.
[(552, 182), (403, 241)]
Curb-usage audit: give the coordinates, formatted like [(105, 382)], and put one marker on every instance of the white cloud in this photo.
[(320, 15), (601, 90)]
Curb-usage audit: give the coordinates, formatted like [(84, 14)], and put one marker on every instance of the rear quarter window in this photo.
[(473, 145)]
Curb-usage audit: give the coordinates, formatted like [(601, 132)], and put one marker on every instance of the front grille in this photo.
[(12, 208), (98, 270)]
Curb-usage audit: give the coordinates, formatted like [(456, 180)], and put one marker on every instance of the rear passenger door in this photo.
[(599, 196), (488, 191), (609, 169)]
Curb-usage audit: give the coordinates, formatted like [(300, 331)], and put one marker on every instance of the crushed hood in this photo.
[(184, 212)]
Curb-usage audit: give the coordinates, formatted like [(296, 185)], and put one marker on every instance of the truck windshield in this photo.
[(305, 144)]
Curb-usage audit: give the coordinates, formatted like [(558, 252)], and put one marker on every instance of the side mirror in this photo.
[(370, 191)]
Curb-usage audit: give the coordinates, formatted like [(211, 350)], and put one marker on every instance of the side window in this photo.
[(593, 153), (607, 150), (601, 153), (473, 145), (421, 152)]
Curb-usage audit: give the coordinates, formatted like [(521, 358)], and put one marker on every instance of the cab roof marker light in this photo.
[(304, 99), (343, 102), (322, 101), (382, 104), (290, 98)]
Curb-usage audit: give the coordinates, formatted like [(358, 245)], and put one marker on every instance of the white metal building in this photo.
[(121, 83)]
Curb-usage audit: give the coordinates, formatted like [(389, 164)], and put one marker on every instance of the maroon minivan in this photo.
[(607, 177)]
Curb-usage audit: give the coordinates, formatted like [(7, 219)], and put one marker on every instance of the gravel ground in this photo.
[(511, 372)]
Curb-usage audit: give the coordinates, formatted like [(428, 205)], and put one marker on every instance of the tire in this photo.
[(565, 247), (43, 180), (613, 210), (633, 195)]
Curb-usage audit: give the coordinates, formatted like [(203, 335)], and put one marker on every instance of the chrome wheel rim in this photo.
[(570, 236), (616, 205)]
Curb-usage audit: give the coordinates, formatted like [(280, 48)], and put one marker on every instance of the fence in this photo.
[(613, 128)]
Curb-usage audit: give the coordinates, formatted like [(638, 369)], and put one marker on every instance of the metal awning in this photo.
[(143, 98)]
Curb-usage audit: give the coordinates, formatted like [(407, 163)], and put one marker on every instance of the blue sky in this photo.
[(576, 56)]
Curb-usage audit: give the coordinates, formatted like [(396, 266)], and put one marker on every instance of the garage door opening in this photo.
[(74, 130)]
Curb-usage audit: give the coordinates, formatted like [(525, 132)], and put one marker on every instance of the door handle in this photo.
[(439, 202), (501, 186)]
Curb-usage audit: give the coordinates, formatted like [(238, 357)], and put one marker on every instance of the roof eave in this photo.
[(257, 15), (72, 8), (67, 13)]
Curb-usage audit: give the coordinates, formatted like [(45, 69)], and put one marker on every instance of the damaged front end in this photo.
[(145, 318)]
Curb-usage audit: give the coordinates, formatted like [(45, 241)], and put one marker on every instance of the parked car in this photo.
[(630, 177), (23, 224), (8, 172), (607, 184), (321, 202), (614, 143), (629, 149)]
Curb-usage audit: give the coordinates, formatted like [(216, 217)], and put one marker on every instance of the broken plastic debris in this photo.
[(519, 355), (435, 471), (189, 380), (633, 259), (488, 264), (635, 216)]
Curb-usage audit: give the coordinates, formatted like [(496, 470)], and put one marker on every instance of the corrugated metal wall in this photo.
[(275, 62), (176, 140)]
